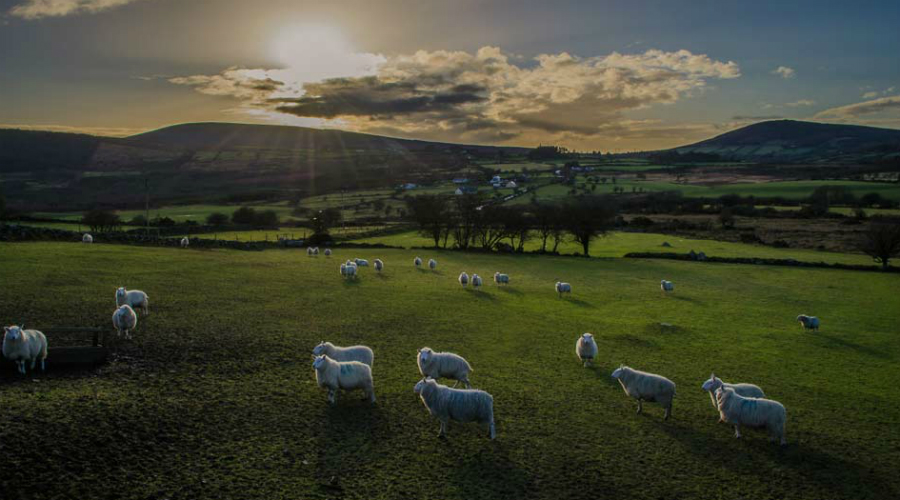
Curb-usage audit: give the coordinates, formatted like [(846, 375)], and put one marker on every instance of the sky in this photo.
[(588, 75)]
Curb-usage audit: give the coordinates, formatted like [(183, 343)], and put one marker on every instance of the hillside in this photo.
[(791, 140)]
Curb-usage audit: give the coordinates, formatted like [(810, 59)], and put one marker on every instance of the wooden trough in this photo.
[(94, 352)]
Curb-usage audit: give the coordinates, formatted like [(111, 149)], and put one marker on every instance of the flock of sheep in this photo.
[(350, 368)]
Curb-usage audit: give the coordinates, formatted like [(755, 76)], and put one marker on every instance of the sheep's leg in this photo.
[(492, 433), (668, 412), (468, 385), (372, 395), (33, 362), (443, 432), (332, 397), (456, 384), (737, 431), (43, 366), (640, 406)]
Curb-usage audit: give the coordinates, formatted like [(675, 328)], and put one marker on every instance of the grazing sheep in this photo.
[(460, 405), (752, 412), (134, 298), (361, 262), (476, 281), (124, 320), (21, 345), (443, 364), (87, 238), (746, 390), (562, 288), (432, 264), (359, 353), (185, 242), (379, 265), (666, 286), (645, 386), (586, 349), (809, 322), (501, 279), (315, 251), (348, 375), (309, 251), (349, 270), (328, 252), (418, 262), (463, 279)]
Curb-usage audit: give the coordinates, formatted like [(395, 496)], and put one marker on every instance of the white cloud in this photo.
[(784, 72), (884, 111), (801, 102), (36, 9), (870, 95)]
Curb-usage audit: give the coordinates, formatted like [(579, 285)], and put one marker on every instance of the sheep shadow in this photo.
[(345, 435), (685, 299), (635, 341), (663, 328), (511, 291), (481, 295), (486, 473), (577, 302), (868, 351), (352, 282)]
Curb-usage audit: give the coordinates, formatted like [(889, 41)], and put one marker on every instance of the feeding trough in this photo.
[(89, 348)]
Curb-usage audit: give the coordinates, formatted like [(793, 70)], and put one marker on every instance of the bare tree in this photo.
[(432, 214), (587, 218), (881, 242)]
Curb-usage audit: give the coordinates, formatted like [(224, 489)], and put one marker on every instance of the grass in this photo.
[(216, 398), (181, 213)]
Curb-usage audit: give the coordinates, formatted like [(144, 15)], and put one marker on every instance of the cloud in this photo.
[(784, 72), (870, 95), (745, 118), (486, 96), (37, 9), (852, 112), (801, 102)]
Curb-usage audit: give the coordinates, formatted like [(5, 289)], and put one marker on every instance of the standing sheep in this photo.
[(463, 279), (586, 349), (417, 262), (432, 264), (379, 265), (134, 298), (562, 288), (501, 279), (327, 252), (645, 386), (349, 270), (476, 281), (359, 353), (361, 262), (460, 405), (443, 364), (666, 286), (309, 251), (185, 242), (21, 345), (334, 375), (809, 322), (746, 390), (752, 412), (124, 320), (87, 238)]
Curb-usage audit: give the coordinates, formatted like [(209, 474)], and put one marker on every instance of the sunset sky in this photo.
[(607, 75)]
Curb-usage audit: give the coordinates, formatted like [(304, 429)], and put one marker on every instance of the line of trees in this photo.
[(468, 221)]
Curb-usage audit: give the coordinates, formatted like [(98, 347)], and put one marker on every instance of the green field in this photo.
[(215, 397), (181, 213)]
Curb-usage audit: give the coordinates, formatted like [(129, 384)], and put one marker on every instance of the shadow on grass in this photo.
[(511, 291), (481, 295), (663, 329), (352, 282), (868, 351), (635, 341), (577, 302), (344, 444), (487, 472), (684, 299)]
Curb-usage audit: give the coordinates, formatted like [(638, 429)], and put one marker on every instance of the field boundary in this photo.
[(760, 261)]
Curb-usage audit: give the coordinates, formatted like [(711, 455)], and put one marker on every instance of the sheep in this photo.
[(645, 386), (185, 242), (746, 390), (417, 262), (586, 349), (348, 375), (309, 251), (21, 345), (361, 262), (460, 405), (752, 412), (87, 238), (432, 264), (443, 364), (562, 288), (463, 279), (134, 298), (124, 320), (501, 279), (359, 353), (349, 270), (809, 322), (328, 252), (476, 281), (379, 265), (666, 286)]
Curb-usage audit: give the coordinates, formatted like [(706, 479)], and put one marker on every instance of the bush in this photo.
[(216, 219), (101, 221), (244, 215)]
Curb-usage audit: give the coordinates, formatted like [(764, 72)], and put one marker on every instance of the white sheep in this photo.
[(586, 349), (463, 279), (379, 265), (752, 412), (328, 252), (21, 345), (808, 322), (443, 364), (562, 288), (666, 286), (309, 251), (477, 282), (315, 251), (185, 242), (417, 262), (746, 390), (348, 375), (134, 298), (349, 270), (362, 262), (124, 320), (460, 405), (87, 238), (501, 279), (645, 386), (432, 264), (359, 353)]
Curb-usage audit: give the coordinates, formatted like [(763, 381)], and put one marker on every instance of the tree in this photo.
[(726, 218), (587, 218), (138, 220), (465, 218), (267, 218), (2, 206), (881, 242), (244, 215), (216, 219), (431, 213), (322, 220), (101, 221)]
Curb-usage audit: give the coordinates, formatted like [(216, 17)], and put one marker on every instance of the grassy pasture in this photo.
[(216, 397)]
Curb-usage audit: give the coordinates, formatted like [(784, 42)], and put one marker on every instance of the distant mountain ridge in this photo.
[(800, 141)]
